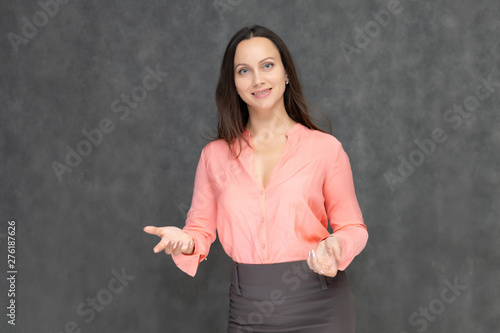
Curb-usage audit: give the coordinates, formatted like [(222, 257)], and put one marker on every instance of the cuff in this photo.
[(189, 263)]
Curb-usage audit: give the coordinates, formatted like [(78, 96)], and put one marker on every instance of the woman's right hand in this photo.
[(173, 240)]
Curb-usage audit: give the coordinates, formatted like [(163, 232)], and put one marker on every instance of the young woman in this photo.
[(270, 197)]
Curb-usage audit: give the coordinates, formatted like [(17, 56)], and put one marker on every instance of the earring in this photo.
[(286, 82)]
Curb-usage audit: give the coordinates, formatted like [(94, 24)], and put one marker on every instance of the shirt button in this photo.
[(263, 246), (262, 220), (261, 192)]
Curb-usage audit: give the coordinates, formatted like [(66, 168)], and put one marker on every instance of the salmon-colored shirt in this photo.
[(310, 185)]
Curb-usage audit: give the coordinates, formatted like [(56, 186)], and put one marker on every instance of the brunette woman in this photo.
[(268, 185)]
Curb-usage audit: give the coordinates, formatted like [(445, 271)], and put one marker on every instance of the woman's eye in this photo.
[(243, 71), (268, 65)]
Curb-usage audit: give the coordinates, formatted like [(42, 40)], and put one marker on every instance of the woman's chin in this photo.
[(263, 105)]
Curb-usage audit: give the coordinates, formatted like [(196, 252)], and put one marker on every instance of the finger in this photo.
[(325, 263), (330, 250), (330, 273), (177, 248), (328, 262), (152, 230), (309, 261), (314, 262), (330, 268), (169, 247), (190, 247), (160, 246), (335, 248)]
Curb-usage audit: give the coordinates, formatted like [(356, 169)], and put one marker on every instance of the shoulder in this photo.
[(331, 153), (323, 143), (215, 149)]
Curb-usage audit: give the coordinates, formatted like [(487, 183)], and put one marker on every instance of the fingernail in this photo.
[(309, 255), (314, 254), (322, 273)]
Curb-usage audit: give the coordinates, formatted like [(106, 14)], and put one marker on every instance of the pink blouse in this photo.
[(310, 185)]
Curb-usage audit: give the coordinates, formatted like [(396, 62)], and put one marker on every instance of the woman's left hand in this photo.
[(325, 260)]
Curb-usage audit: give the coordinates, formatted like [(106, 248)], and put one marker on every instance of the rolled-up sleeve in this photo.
[(201, 219), (342, 206)]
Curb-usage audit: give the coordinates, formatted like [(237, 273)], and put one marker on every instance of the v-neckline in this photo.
[(278, 162)]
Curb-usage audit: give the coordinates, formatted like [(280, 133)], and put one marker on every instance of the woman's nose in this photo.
[(258, 79)]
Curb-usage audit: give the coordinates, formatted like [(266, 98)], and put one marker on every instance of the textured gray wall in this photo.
[(406, 91)]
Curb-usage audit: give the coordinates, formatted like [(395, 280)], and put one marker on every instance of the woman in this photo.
[(270, 203)]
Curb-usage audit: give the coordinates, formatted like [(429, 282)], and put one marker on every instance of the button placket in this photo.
[(263, 225)]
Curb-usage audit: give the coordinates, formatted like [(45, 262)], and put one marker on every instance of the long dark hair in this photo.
[(232, 110)]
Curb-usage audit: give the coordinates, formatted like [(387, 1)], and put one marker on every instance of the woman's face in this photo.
[(259, 74)]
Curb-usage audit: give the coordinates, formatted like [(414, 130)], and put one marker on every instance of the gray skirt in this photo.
[(289, 297)]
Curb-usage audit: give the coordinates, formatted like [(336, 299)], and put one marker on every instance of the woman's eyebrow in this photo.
[(259, 62)]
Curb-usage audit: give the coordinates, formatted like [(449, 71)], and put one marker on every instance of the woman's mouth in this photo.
[(263, 93)]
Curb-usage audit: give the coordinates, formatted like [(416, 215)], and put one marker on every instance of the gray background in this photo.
[(436, 225)]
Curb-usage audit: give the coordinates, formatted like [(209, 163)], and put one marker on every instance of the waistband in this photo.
[(289, 279)]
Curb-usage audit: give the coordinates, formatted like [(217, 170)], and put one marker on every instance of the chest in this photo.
[(266, 157)]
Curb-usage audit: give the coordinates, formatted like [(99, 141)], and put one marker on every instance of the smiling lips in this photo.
[(262, 93)]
